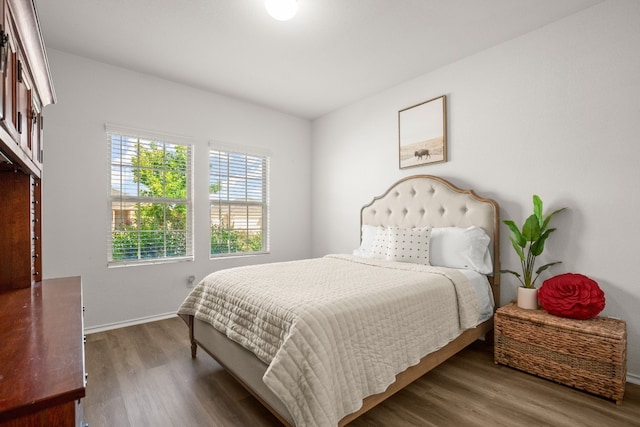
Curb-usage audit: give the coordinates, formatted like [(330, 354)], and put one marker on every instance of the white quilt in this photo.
[(334, 330)]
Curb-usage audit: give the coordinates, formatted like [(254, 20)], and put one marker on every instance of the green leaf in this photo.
[(548, 218), (543, 268), (531, 229), (537, 209), (514, 273), (538, 246), (546, 266), (517, 247), (511, 272), (517, 235)]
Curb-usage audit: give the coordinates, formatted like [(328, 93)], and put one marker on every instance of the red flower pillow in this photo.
[(571, 295)]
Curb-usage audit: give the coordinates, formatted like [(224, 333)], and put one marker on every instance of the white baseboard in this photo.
[(633, 378), (124, 324)]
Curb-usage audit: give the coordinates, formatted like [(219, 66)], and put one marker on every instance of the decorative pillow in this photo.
[(374, 242), (458, 247), (380, 245), (571, 295), (409, 245)]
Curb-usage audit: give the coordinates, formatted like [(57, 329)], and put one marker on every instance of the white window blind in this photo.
[(150, 199), (239, 200)]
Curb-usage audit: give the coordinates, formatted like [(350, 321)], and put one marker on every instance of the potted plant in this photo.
[(529, 244)]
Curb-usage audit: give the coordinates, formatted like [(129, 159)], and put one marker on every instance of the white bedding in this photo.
[(334, 330), (481, 286)]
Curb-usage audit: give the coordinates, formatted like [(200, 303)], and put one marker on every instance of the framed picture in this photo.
[(422, 130)]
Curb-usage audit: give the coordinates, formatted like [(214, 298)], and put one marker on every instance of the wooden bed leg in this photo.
[(194, 345)]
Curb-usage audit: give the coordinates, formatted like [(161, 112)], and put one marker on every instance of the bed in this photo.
[(322, 341)]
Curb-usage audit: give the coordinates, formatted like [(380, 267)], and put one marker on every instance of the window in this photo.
[(150, 199), (238, 194)]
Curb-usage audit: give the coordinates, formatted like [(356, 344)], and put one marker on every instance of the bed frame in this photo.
[(415, 201)]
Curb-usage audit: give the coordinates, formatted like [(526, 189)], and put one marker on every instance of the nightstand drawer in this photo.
[(586, 354)]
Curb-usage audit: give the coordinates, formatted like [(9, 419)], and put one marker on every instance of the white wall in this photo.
[(555, 112), (75, 209)]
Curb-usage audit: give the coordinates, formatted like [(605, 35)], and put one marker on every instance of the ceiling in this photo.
[(331, 54)]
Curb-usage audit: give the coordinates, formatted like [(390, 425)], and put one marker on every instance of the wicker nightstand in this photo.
[(590, 355)]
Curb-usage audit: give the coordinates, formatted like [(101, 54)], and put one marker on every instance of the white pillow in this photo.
[(380, 245), (409, 245), (458, 247), (374, 241)]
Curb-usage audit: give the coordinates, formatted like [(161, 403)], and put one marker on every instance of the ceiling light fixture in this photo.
[(282, 10)]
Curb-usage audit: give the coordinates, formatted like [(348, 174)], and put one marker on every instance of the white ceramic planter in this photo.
[(528, 298)]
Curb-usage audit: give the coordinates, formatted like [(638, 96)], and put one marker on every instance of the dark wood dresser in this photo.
[(42, 379), (42, 374)]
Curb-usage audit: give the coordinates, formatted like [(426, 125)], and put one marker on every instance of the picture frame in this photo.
[(422, 133)]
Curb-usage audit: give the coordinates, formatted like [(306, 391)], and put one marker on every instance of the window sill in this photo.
[(134, 263), (242, 255)]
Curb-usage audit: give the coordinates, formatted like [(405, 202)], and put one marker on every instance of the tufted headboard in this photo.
[(429, 201)]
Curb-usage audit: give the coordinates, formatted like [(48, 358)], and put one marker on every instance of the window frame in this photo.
[(160, 138), (265, 160)]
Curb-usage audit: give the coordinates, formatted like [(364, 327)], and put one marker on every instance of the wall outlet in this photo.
[(190, 280)]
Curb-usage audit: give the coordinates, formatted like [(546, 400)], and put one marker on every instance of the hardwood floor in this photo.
[(144, 376)]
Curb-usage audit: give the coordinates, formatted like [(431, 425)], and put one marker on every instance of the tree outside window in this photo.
[(150, 200), (238, 195)]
